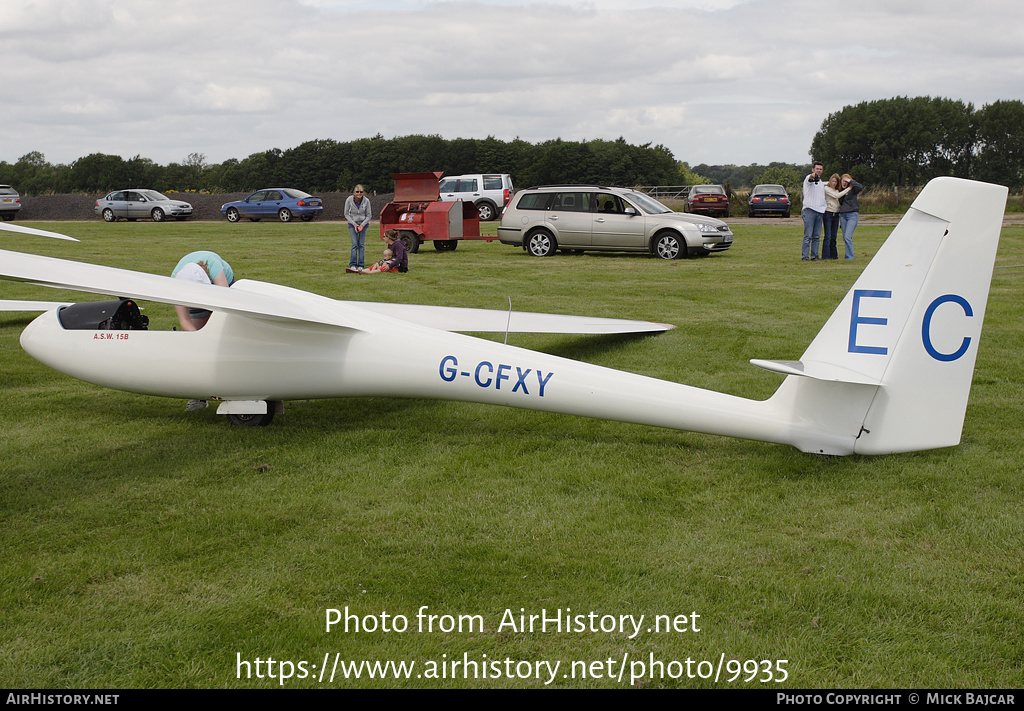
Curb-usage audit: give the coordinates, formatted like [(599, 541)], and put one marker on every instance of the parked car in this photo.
[(490, 193), (768, 200), (709, 199), (577, 218), (10, 202), (145, 204), (285, 203)]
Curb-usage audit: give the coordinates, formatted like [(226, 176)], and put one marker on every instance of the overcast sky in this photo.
[(716, 81)]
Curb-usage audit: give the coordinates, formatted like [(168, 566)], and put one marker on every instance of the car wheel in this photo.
[(785, 214), (180, 219), (307, 218), (486, 211), (8, 216), (254, 420), (284, 214), (541, 243), (158, 215), (411, 240), (750, 213), (446, 245), (254, 219), (108, 215), (668, 245), (232, 215)]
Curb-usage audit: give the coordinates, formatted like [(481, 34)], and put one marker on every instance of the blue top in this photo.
[(210, 262)]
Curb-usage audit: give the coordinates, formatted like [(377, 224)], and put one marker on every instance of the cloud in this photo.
[(729, 81)]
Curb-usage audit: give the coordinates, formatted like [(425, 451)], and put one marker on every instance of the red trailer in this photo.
[(419, 215)]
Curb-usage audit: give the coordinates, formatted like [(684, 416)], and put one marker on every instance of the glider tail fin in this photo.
[(891, 370)]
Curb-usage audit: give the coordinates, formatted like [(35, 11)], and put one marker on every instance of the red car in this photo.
[(708, 199)]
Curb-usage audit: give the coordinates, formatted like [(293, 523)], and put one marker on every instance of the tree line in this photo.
[(328, 165), (908, 141)]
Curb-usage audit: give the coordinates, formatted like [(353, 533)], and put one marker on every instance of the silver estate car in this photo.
[(141, 204), (590, 217)]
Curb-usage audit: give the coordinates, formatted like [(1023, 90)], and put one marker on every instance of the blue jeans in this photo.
[(358, 256), (812, 232), (848, 221), (828, 236)]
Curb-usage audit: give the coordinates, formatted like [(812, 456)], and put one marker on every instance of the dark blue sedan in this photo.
[(768, 200), (284, 203)]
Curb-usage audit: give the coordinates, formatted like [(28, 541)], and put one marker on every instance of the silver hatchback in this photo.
[(140, 204), (589, 217)]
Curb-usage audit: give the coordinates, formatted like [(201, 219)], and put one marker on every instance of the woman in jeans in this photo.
[(849, 212), (831, 220), (358, 215)]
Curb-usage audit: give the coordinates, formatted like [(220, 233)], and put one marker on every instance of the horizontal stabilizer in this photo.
[(464, 320), (818, 371)]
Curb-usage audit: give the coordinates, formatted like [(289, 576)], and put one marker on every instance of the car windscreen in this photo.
[(648, 204), (297, 194)]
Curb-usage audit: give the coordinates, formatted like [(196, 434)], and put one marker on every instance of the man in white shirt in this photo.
[(813, 212)]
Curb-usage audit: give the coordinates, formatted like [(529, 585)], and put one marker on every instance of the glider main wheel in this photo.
[(232, 214), (668, 245), (284, 214), (158, 215), (108, 215), (541, 243), (254, 420), (446, 245)]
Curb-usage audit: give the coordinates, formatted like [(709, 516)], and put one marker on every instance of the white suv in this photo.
[(489, 192), (10, 202), (591, 217)]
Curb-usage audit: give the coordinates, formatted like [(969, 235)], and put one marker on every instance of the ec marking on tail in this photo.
[(856, 320)]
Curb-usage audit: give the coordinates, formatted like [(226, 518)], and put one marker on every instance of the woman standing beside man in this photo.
[(358, 215), (831, 220), (849, 212)]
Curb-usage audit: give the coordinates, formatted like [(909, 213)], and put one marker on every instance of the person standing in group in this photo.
[(813, 212), (830, 223), (849, 212), (358, 215)]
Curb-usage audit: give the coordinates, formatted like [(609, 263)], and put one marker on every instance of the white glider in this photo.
[(889, 372)]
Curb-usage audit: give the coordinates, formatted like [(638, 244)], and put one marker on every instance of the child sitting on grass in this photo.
[(381, 266)]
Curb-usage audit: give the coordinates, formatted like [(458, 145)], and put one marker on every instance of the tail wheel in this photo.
[(446, 245)]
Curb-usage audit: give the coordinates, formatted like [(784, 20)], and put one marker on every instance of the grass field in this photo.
[(146, 546)]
